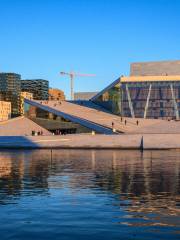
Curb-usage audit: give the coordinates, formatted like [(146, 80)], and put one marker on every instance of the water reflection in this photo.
[(21, 173), (145, 186)]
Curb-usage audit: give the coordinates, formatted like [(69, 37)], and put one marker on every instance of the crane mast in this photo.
[(72, 75), (72, 86)]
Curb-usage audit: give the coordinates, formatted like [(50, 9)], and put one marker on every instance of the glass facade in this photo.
[(111, 99), (38, 87), (10, 89), (148, 99)]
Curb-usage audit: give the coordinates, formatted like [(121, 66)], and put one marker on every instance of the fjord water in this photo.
[(89, 194)]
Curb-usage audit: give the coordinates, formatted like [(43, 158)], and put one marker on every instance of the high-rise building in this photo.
[(56, 94), (10, 88), (38, 87), (5, 110), (26, 95)]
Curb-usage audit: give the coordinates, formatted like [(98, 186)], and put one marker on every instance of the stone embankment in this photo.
[(124, 141)]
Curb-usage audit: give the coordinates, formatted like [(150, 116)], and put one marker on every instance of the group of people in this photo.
[(125, 122), (34, 133), (58, 132), (44, 102), (55, 104)]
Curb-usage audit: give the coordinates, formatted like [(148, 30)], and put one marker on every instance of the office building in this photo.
[(5, 110), (38, 87), (84, 95), (56, 94), (27, 95), (10, 88)]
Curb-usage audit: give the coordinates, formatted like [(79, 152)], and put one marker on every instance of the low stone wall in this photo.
[(128, 141)]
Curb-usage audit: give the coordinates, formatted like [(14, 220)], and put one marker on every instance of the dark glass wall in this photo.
[(111, 99)]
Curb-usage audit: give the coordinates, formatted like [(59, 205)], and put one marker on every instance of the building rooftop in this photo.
[(93, 118), (151, 78), (20, 126), (157, 68), (84, 95)]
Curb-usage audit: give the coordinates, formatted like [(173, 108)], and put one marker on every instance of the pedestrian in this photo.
[(112, 125), (137, 122), (125, 122), (121, 119)]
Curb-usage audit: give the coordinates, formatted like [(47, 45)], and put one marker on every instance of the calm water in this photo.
[(89, 195)]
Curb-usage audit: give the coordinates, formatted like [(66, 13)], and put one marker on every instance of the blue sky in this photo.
[(40, 38)]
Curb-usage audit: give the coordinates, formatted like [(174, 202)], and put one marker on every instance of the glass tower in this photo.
[(10, 89)]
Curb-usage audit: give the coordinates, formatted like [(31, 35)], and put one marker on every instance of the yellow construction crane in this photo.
[(72, 75)]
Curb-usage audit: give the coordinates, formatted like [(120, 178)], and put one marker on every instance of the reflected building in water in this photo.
[(20, 176), (140, 183)]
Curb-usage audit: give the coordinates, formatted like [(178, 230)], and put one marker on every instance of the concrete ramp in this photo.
[(74, 113), (20, 126), (101, 121)]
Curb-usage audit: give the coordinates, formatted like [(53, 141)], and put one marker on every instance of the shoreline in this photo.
[(80, 141)]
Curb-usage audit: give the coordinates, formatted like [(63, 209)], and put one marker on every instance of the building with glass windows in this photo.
[(10, 90), (38, 87), (84, 95), (151, 91), (24, 95), (5, 110), (56, 94)]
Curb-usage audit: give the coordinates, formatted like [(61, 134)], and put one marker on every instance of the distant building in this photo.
[(160, 68), (39, 88), (84, 95), (56, 94), (26, 95), (5, 110), (10, 88)]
